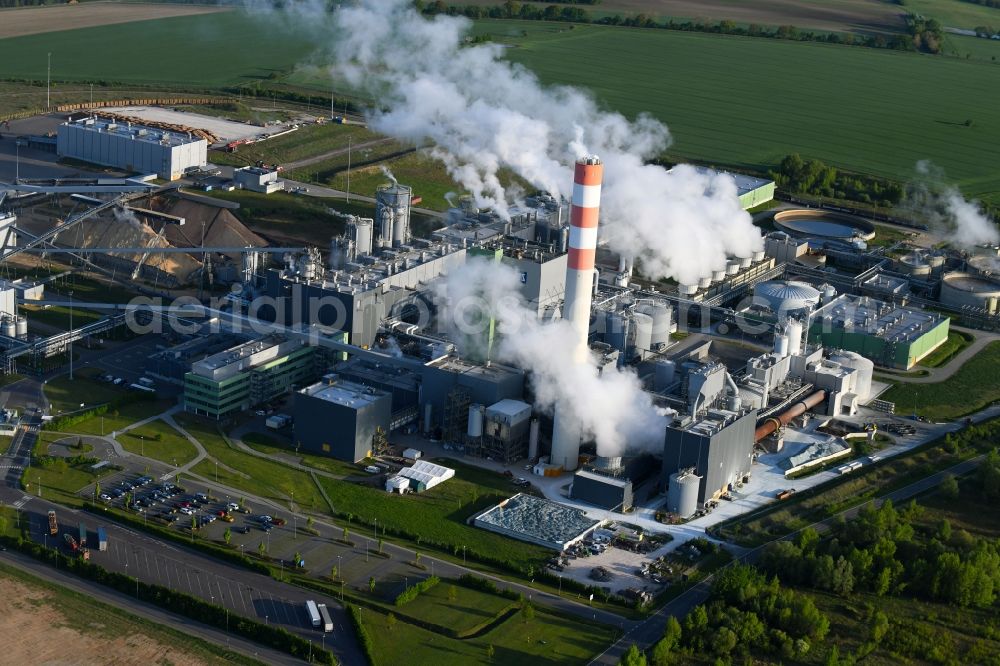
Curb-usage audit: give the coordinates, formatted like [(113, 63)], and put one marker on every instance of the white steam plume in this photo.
[(611, 407), (944, 209), (484, 114), (388, 174)]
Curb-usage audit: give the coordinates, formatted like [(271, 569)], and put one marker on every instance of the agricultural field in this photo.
[(38, 20), (859, 16), (956, 13), (975, 382), (748, 102), (45, 623)]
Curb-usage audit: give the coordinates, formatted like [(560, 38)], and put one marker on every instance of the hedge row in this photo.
[(178, 602), (413, 591), (367, 646), (230, 556)]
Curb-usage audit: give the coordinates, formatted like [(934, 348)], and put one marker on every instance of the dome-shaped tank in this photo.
[(864, 368), (967, 290), (643, 331), (682, 493), (475, 421), (785, 297)]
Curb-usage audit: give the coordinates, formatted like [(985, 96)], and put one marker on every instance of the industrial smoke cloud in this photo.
[(944, 209), (611, 407), (483, 115)]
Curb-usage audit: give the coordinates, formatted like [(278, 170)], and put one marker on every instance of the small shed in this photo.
[(397, 484), (412, 454)]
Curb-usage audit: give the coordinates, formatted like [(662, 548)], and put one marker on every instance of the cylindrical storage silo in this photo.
[(663, 374), (395, 199), (781, 345), (475, 421), (828, 291), (616, 331), (643, 331), (359, 230), (682, 493), (9, 327), (564, 239), (22, 327), (793, 331), (428, 413), (533, 440), (661, 324), (864, 368)]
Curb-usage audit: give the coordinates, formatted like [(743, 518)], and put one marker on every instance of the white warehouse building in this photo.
[(131, 147)]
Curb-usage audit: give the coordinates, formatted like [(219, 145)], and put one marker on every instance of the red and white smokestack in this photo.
[(566, 432)]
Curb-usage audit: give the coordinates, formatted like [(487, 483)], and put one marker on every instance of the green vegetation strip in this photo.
[(159, 441), (952, 347), (970, 389)]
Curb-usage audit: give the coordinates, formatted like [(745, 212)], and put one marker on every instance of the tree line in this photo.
[(810, 176), (922, 34)]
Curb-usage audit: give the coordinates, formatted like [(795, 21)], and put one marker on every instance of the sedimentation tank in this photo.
[(968, 290)]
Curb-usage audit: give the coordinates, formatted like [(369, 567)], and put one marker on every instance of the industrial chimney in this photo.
[(566, 431)]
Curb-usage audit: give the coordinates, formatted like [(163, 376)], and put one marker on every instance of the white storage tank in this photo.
[(828, 291), (682, 493), (22, 327), (616, 331), (359, 230), (643, 331), (793, 331), (9, 327), (781, 345), (864, 368), (662, 316), (475, 420)]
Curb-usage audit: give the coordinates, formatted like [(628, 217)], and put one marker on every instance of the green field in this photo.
[(307, 141), (749, 102), (956, 13), (67, 395), (273, 447), (121, 417), (970, 389), (736, 101), (159, 441)]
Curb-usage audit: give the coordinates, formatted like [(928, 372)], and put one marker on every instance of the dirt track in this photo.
[(35, 20)]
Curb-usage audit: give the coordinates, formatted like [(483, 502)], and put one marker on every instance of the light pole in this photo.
[(70, 331), (17, 161)]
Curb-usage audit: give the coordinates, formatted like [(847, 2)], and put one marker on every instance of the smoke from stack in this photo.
[(483, 115), (942, 207)]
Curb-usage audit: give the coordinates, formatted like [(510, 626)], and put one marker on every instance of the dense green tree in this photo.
[(633, 657)]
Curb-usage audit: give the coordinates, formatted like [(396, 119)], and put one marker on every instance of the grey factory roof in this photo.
[(744, 183), (620, 482), (135, 132), (344, 393), (887, 321), (538, 521)]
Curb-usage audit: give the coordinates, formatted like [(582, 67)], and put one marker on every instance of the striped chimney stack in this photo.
[(566, 431)]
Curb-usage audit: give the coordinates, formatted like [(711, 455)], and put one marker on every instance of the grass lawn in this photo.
[(970, 389), (58, 316), (547, 640), (307, 141), (470, 609), (66, 395), (60, 481), (95, 627), (955, 13), (159, 441), (122, 417), (964, 512), (263, 443), (254, 475), (438, 514), (956, 342)]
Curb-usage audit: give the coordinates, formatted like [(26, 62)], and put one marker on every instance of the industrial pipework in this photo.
[(774, 422), (566, 431)]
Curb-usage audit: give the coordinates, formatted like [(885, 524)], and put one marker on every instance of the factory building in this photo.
[(247, 375), (885, 333), (751, 191), (717, 446), (784, 248), (607, 492), (339, 418), (451, 385), (258, 179), (131, 147), (499, 432)]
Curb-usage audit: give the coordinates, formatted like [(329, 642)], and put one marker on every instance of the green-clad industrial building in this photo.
[(249, 374), (887, 334)]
